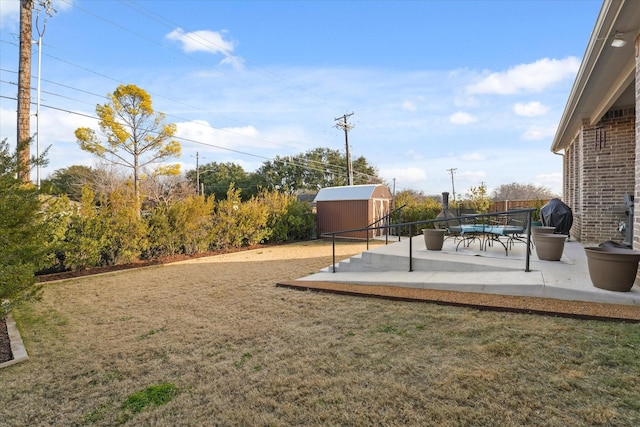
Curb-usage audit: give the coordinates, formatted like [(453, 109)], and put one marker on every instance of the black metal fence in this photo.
[(484, 218)]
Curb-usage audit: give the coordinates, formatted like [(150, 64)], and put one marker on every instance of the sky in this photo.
[(444, 93)]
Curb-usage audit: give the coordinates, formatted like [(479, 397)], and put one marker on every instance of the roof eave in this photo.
[(570, 124)]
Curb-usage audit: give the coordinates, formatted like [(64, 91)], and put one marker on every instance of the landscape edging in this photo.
[(17, 346)]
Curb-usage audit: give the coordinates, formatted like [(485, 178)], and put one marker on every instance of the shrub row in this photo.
[(110, 229)]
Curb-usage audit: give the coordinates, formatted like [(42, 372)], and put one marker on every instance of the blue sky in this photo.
[(478, 86)]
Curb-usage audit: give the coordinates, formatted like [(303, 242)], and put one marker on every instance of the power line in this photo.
[(202, 41), (325, 166), (173, 101)]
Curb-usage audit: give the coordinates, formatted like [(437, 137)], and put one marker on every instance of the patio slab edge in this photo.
[(17, 346), (482, 301)]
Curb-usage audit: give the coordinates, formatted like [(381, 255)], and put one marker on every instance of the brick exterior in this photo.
[(636, 224), (599, 169)]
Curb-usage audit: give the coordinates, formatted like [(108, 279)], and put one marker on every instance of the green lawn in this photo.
[(215, 342)]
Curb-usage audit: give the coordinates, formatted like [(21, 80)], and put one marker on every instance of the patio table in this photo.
[(488, 233)]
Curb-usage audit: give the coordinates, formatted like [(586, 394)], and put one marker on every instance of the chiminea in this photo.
[(445, 211)]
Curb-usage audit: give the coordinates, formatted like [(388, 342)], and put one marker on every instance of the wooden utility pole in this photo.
[(453, 187), (346, 127), (24, 91)]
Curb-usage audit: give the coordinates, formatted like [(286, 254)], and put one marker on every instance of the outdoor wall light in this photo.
[(618, 41)]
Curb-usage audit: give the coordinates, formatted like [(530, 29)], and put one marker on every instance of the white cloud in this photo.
[(550, 180), (407, 176), (461, 118), (235, 61), (538, 132), (530, 109), (414, 155), (227, 138), (464, 101), (473, 157), (207, 41), (409, 106), (10, 11), (525, 78)]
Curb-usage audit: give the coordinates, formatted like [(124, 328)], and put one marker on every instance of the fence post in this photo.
[(410, 247), (333, 245), (526, 266)]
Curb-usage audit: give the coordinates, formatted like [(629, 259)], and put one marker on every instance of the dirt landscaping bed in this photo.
[(5, 345)]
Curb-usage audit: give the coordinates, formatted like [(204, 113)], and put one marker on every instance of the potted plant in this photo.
[(535, 215)]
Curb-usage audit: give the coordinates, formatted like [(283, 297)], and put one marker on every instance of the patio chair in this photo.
[(468, 229), (516, 228)]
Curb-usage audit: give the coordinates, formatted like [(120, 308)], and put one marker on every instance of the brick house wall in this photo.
[(572, 169), (636, 224), (600, 168)]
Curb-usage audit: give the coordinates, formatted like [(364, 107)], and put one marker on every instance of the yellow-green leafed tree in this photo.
[(132, 134), (478, 199)]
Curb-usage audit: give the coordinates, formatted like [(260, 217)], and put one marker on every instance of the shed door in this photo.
[(380, 209)]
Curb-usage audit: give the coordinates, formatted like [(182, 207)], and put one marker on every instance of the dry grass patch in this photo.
[(241, 351)]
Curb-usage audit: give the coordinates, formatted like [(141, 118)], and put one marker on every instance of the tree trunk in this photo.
[(24, 91)]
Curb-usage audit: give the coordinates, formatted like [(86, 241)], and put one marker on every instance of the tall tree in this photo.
[(317, 168), (135, 134), (29, 229), (516, 191), (69, 181), (477, 199), (215, 178)]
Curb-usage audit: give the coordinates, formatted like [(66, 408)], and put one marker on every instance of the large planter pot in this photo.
[(433, 238), (542, 230), (613, 269), (549, 247)]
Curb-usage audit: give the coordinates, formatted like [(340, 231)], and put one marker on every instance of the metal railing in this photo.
[(386, 220), (459, 220)]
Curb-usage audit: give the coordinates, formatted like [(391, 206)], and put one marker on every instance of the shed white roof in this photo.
[(350, 192)]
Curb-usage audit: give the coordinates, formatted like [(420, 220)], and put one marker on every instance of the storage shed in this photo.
[(352, 207)]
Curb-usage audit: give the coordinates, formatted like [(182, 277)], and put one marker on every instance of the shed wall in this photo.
[(344, 215)]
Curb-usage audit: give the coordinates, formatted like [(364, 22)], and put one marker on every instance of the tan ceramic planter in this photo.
[(613, 269), (549, 247), (433, 238), (542, 230), (535, 231)]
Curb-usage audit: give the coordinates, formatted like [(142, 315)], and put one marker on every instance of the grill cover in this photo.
[(557, 214)]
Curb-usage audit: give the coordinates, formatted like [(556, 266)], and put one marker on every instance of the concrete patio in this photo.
[(469, 269)]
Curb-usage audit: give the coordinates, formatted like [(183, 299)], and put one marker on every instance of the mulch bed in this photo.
[(5, 345), (508, 303), (141, 263)]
